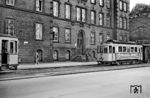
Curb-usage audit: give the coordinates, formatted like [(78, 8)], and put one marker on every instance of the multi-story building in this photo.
[(121, 19), (78, 26)]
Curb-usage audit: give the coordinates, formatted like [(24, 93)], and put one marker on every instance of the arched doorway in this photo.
[(55, 55), (93, 54), (40, 55), (68, 53), (80, 42)]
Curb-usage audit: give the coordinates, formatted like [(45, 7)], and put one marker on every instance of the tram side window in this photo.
[(128, 49), (124, 49), (135, 49), (11, 47), (120, 49), (110, 49), (132, 49), (105, 50), (113, 49)]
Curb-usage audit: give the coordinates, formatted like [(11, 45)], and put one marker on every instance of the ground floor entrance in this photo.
[(80, 42)]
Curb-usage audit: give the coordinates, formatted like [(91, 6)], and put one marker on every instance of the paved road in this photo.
[(108, 84)]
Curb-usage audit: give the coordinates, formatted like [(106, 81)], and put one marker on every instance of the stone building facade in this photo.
[(78, 26), (90, 23)]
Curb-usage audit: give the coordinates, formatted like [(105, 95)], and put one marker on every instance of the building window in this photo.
[(125, 38), (108, 3), (81, 14), (125, 23), (67, 35), (68, 11), (100, 38), (55, 55), (56, 34), (120, 22), (121, 5), (108, 37), (55, 8), (101, 19), (10, 26), (108, 21), (121, 37), (101, 2), (68, 54), (10, 2), (93, 1), (125, 6), (93, 17), (39, 5), (92, 38), (39, 31), (78, 14)]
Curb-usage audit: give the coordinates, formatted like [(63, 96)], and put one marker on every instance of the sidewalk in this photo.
[(55, 64), (60, 68)]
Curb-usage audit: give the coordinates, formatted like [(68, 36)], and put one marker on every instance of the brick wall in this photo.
[(25, 18)]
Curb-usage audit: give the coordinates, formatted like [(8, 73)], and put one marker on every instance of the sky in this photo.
[(134, 2)]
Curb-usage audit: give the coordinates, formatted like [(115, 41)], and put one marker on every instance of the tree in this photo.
[(140, 10)]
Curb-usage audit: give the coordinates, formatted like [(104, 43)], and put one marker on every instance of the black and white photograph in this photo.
[(74, 48)]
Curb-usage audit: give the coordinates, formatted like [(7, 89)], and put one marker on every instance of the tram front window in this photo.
[(11, 47), (16, 47)]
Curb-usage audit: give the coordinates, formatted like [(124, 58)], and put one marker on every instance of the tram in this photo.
[(115, 52), (8, 52)]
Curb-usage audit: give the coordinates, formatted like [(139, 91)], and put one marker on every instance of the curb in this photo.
[(70, 73), (56, 66), (11, 71)]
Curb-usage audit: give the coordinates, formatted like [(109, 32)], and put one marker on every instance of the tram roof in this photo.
[(119, 42), (8, 36)]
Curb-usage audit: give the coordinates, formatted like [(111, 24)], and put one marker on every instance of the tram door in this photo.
[(4, 52)]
